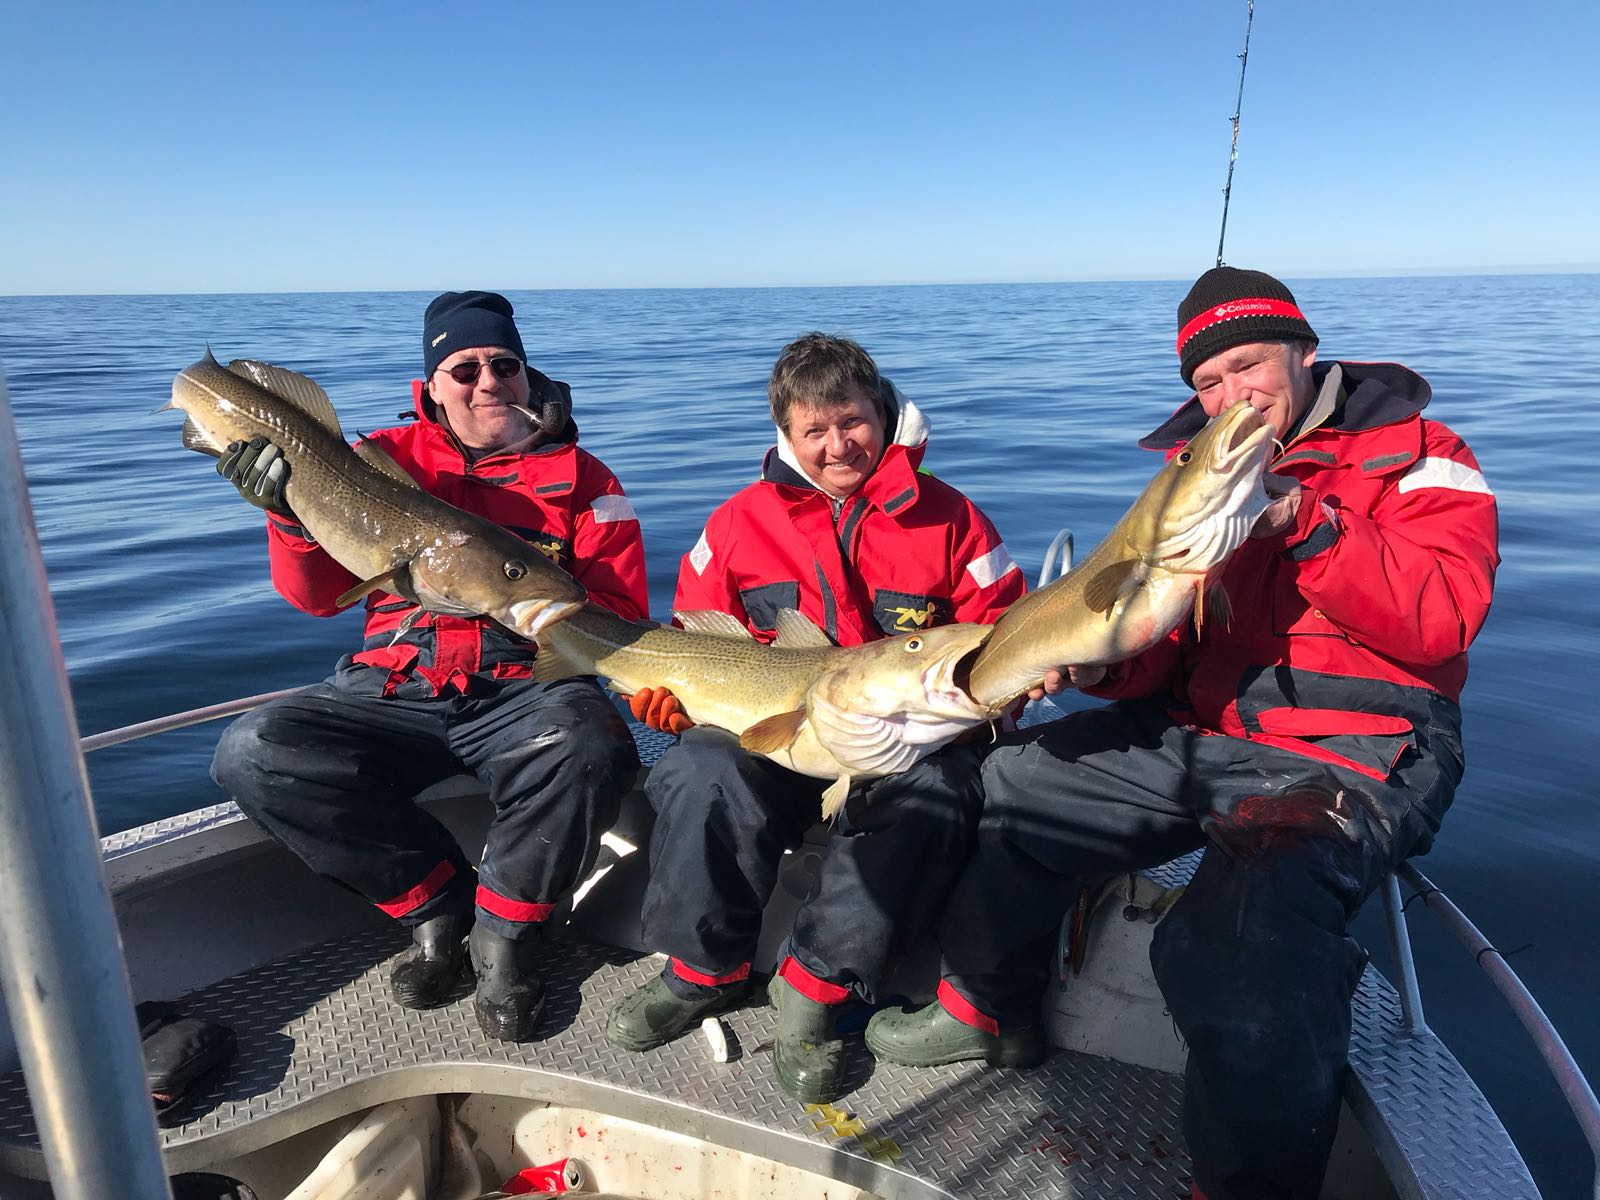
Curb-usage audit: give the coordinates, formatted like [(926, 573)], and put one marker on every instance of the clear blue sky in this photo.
[(288, 146)]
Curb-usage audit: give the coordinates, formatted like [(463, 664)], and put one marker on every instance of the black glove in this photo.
[(260, 472)]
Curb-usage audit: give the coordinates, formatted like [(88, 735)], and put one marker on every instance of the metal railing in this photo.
[(66, 985), (1563, 1067), (195, 716)]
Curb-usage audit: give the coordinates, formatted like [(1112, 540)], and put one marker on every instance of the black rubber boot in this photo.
[(931, 1037), (433, 968), (654, 1014), (809, 1055), (510, 992)]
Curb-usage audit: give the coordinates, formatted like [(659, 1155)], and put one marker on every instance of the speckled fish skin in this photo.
[(364, 510), (869, 710)]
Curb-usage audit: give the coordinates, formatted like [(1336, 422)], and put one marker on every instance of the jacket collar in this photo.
[(1374, 394), (891, 486)]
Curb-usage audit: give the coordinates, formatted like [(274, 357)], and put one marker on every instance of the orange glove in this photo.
[(660, 709)]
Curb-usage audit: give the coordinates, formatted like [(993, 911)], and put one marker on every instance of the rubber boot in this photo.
[(809, 1055), (931, 1037), (654, 1014), (510, 992), (432, 969)]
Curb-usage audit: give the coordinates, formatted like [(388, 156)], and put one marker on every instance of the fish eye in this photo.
[(913, 644), (1185, 457), (515, 569)]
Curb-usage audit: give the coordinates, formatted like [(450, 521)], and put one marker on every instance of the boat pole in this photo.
[(66, 985)]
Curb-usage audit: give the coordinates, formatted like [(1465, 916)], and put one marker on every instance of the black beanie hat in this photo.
[(1228, 307), (461, 320)]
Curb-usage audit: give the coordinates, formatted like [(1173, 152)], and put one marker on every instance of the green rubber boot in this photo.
[(654, 1014), (809, 1055), (931, 1037)]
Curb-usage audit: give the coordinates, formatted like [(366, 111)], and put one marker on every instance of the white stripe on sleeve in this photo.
[(992, 567), (700, 556), (1443, 473), (612, 508)]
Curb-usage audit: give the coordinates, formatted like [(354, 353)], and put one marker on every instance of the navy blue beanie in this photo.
[(462, 320)]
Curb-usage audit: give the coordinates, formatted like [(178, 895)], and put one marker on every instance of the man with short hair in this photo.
[(1310, 745), (844, 527), (331, 772)]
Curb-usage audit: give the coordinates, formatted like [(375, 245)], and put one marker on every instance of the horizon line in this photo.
[(1394, 273)]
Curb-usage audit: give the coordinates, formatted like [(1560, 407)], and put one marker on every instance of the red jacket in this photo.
[(560, 499), (904, 552), (1344, 625)]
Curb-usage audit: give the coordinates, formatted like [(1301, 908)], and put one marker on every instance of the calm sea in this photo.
[(1037, 394)]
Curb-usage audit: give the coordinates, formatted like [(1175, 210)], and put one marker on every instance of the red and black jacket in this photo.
[(904, 552), (560, 499), (1345, 625)]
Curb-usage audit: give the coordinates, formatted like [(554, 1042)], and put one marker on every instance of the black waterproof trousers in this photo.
[(331, 773), (1253, 960), (725, 816)]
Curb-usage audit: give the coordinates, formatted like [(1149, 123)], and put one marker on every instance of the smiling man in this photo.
[(1308, 745), (844, 527), (331, 772)]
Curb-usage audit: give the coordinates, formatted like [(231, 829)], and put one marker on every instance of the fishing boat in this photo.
[(335, 1091)]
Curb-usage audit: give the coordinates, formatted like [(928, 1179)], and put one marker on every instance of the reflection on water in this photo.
[(1036, 393)]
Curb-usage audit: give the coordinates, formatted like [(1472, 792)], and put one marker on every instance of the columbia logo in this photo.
[(440, 338)]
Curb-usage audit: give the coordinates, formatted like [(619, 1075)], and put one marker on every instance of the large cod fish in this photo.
[(830, 712), (1137, 585), (364, 509)]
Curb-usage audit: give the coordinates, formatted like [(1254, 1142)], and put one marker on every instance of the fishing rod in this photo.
[(1238, 105)]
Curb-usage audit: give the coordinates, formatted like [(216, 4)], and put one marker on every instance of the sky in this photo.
[(330, 146)]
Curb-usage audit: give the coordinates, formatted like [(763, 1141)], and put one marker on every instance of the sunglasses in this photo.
[(467, 372)]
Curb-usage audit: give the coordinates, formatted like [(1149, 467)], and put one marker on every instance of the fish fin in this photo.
[(196, 438), (1102, 592), (1219, 606), (550, 665), (386, 582), (799, 632), (405, 626), (833, 799), (304, 393), (713, 623), (374, 455), (773, 733)]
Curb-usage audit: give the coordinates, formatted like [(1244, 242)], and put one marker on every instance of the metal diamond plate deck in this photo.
[(320, 1026)]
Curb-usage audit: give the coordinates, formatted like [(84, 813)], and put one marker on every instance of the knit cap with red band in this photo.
[(1229, 307)]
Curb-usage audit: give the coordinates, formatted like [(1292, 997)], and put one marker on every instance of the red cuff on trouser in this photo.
[(512, 910), (963, 1010), (689, 975), (809, 986), (415, 898)]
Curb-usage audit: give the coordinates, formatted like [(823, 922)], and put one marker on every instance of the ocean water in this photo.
[(1036, 393)]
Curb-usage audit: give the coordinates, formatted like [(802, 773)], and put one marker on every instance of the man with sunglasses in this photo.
[(331, 772)]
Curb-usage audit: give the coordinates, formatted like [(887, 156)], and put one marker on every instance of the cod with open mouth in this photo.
[(831, 712), (1157, 564)]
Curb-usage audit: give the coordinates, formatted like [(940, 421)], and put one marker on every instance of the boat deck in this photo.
[(318, 1036)]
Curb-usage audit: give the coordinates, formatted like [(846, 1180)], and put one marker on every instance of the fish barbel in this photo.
[(1138, 584), (830, 712), (363, 508)]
